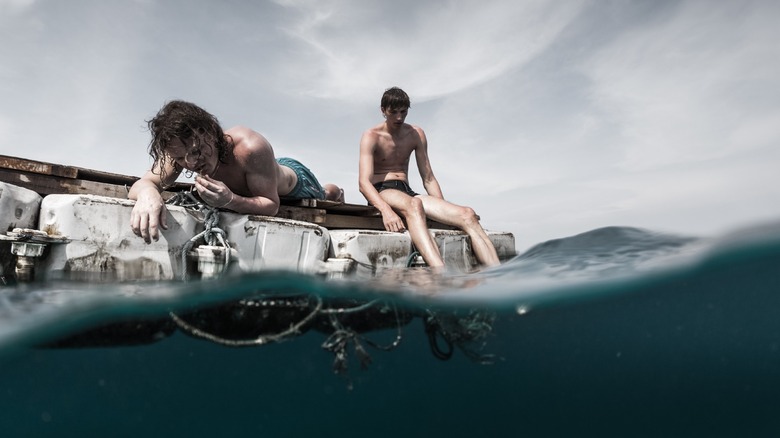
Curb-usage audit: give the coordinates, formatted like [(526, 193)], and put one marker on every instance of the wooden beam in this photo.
[(340, 221), (37, 167), (47, 184), (355, 210), (304, 214)]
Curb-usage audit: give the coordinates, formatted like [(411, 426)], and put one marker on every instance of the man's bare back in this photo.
[(251, 167)]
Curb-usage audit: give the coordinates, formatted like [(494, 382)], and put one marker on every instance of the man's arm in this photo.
[(429, 180), (149, 213), (391, 220)]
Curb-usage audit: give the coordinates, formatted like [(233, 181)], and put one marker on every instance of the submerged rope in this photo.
[(342, 310), (432, 329), (294, 329), (338, 342), (459, 331)]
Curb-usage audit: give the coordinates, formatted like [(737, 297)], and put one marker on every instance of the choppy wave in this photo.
[(622, 331), (603, 261)]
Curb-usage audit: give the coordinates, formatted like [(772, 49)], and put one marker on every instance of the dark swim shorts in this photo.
[(395, 184)]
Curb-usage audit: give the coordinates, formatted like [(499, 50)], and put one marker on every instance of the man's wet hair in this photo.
[(185, 121), (395, 98)]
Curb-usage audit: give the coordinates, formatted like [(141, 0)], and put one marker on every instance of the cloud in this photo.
[(621, 90), (69, 77), (15, 6), (550, 118), (686, 88), (353, 51)]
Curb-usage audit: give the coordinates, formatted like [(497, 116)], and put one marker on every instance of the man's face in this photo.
[(191, 156), (395, 116)]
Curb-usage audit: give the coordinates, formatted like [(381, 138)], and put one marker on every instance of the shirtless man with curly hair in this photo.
[(235, 169)]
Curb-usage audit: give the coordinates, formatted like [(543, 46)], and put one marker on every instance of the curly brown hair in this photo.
[(185, 121)]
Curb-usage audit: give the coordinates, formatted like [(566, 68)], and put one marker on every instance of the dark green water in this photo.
[(616, 332)]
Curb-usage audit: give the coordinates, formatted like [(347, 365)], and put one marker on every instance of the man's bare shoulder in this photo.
[(247, 140), (415, 127), (412, 135), (250, 149), (377, 130), (372, 135)]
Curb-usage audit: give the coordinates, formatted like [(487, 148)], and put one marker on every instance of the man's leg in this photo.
[(411, 209), (333, 192), (467, 220)]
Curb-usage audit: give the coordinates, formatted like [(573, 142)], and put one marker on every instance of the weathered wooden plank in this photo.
[(433, 225), (14, 164), (329, 205), (50, 184), (305, 214), (106, 177), (354, 210), (340, 221), (19, 164)]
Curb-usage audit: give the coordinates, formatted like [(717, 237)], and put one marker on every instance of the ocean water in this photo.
[(614, 332)]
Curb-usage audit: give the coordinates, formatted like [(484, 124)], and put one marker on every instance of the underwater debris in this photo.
[(460, 331), (266, 319)]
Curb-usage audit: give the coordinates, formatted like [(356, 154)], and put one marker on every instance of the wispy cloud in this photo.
[(63, 81), (12, 6), (691, 83), (431, 48), (685, 89), (549, 117)]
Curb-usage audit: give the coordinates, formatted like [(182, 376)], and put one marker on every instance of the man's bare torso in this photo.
[(392, 151)]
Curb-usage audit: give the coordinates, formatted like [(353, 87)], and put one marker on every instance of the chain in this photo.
[(211, 233)]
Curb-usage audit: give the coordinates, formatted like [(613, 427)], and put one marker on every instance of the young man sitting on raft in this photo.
[(235, 169), (385, 150)]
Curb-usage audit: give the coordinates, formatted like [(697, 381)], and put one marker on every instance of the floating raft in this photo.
[(65, 221)]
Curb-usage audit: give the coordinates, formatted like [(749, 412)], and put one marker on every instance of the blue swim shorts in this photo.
[(307, 186)]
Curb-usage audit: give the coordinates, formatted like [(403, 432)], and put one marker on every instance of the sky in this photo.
[(549, 118)]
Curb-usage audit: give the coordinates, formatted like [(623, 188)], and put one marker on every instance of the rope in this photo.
[(261, 340), (432, 328), (459, 332), (186, 199), (412, 257), (372, 268), (341, 337), (342, 310)]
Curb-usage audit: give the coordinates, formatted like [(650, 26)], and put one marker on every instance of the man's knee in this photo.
[(416, 204), (469, 217), (333, 192), (414, 208)]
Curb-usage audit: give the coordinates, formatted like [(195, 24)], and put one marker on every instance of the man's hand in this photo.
[(393, 222), (149, 214), (213, 192)]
